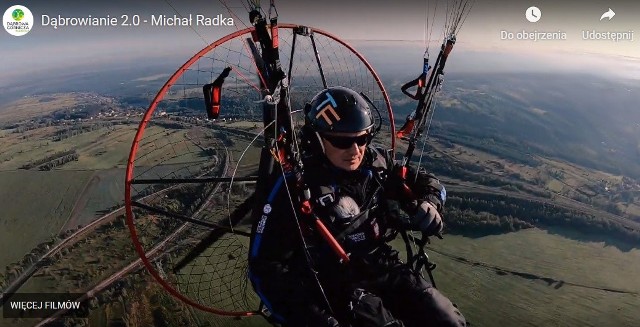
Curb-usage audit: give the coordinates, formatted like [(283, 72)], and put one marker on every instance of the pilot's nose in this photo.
[(354, 148)]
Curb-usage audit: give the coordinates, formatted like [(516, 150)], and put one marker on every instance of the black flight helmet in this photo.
[(338, 109)]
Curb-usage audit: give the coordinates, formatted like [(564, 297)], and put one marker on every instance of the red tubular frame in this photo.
[(147, 117)]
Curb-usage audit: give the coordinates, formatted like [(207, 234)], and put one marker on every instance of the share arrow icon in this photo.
[(609, 14)]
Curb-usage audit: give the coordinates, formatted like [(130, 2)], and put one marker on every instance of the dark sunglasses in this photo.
[(345, 142)]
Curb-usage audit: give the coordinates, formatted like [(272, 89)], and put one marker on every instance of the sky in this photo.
[(392, 24)]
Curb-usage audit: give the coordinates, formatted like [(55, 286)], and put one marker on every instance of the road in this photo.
[(73, 238), (151, 255)]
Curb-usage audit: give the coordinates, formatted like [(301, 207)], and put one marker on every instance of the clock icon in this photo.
[(533, 14)]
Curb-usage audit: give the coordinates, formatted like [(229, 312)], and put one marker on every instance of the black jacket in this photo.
[(289, 261)]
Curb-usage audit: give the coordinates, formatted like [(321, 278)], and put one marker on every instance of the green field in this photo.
[(169, 146), (35, 205), (104, 190), (103, 148), (572, 295)]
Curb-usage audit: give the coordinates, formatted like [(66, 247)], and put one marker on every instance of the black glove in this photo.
[(422, 186), (427, 186), (427, 219)]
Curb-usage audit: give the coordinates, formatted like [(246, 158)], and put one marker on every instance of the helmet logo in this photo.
[(329, 105)]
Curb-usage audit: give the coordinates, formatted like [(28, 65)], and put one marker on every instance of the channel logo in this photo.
[(17, 20)]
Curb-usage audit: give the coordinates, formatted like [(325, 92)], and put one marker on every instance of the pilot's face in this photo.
[(345, 150)]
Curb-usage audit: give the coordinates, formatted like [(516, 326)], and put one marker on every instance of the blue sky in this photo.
[(401, 23)]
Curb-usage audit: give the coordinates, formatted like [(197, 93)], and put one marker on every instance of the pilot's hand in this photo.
[(427, 219), (427, 186)]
